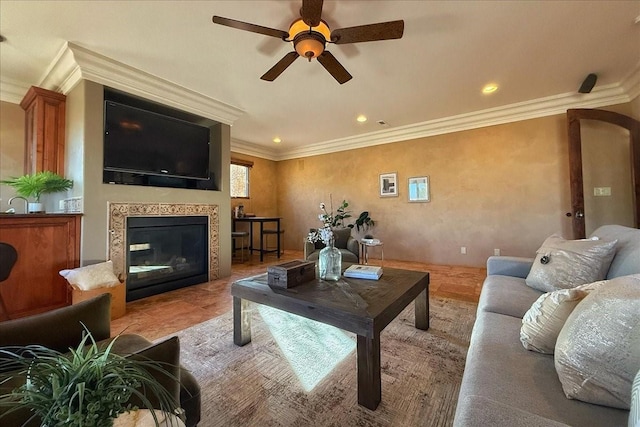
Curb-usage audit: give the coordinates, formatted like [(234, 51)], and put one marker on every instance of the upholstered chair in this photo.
[(347, 245)]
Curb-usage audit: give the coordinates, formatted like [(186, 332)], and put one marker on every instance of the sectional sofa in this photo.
[(505, 384)]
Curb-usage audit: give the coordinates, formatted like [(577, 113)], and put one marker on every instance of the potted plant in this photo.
[(88, 387), (38, 184), (363, 222)]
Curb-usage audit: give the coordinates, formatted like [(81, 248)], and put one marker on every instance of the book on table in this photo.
[(363, 272)]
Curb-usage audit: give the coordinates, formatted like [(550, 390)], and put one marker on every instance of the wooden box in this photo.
[(118, 298), (290, 274)]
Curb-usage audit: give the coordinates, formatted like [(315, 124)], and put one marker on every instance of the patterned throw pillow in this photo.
[(564, 264)]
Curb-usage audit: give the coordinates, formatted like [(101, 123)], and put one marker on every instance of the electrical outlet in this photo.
[(463, 250), (496, 252)]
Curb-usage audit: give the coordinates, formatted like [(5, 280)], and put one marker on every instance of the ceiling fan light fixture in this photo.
[(309, 45), (309, 42)]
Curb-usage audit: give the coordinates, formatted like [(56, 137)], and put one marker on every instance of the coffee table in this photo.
[(364, 307)]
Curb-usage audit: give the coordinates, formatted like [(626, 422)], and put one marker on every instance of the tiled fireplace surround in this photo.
[(117, 227)]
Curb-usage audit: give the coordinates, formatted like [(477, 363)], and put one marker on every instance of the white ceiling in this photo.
[(537, 51)]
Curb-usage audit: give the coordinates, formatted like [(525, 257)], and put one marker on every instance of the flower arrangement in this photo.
[(329, 221)]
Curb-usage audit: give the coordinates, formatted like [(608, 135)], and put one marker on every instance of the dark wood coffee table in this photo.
[(364, 307)]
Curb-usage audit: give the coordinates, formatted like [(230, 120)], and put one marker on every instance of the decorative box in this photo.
[(290, 274), (118, 297)]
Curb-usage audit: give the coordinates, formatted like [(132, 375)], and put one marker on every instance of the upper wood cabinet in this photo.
[(44, 130)]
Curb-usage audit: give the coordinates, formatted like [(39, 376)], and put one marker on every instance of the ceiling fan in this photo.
[(310, 35)]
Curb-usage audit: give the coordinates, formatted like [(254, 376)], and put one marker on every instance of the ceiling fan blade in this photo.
[(368, 33), (282, 65), (311, 12), (331, 64), (250, 27)]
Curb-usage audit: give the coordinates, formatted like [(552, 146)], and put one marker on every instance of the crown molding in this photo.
[(631, 84), (12, 90), (74, 63), (557, 104), (250, 149)]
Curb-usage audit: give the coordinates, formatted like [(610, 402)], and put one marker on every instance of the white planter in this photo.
[(36, 208)]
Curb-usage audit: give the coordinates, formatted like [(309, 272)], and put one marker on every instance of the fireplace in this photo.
[(165, 253), (120, 215)]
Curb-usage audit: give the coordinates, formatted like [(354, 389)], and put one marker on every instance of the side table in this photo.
[(365, 244)]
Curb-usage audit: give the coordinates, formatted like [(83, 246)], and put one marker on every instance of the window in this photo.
[(240, 178)]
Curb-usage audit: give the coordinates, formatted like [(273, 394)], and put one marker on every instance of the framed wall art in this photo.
[(389, 185), (419, 189)]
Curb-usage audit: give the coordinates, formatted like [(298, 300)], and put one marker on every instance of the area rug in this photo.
[(297, 372)]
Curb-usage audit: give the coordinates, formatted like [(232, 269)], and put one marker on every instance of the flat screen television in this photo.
[(142, 142)]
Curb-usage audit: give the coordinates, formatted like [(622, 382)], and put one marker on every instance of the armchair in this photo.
[(61, 329), (348, 246)]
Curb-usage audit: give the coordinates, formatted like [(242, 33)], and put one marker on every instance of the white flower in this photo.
[(322, 206)]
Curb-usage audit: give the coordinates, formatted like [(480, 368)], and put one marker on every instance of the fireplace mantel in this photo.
[(119, 211)]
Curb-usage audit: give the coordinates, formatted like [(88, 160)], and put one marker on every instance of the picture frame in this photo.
[(389, 184), (419, 189)]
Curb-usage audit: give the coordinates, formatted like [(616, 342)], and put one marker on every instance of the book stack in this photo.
[(371, 272)]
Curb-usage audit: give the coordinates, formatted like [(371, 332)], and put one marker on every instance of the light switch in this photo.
[(601, 191)]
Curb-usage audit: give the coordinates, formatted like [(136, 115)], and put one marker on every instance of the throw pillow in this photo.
[(596, 355), (341, 236), (543, 322), (564, 264), (92, 276)]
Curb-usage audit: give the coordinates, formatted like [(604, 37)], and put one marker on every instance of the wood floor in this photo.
[(167, 313)]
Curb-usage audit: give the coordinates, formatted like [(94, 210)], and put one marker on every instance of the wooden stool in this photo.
[(270, 232), (242, 235)]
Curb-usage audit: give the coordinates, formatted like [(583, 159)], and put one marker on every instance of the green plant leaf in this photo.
[(38, 184)]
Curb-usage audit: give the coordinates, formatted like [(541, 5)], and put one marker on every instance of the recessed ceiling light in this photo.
[(361, 118), (489, 88), (277, 140)]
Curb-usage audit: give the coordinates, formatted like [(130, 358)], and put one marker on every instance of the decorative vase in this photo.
[(330, 262)]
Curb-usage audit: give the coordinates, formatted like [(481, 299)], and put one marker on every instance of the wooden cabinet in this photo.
[(45, 244), (44, 130)]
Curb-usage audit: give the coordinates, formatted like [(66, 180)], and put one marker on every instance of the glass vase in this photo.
[(330, 263)]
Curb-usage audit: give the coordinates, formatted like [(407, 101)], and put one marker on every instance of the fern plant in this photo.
[(88, 387), (38, 184)]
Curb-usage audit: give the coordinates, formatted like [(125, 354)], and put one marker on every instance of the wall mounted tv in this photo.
[(144, 142), (150, 144)]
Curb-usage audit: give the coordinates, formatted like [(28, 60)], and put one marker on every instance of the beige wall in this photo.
[(11, 151), (501, 187)]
